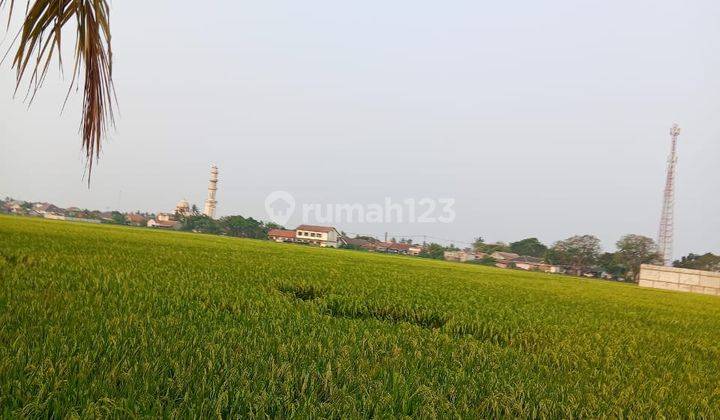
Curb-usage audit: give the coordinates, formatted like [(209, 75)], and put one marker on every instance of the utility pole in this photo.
[(667, 217)]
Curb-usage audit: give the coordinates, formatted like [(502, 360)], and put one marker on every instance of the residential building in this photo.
[(136, 219), (459, 256), (281, 235), (163, 224), (530, 264), (165, 217), (501, 256), (415, 250), (46, 208), (325, 236), (363, 243), (15, 207), (527, 263), (393, 247)]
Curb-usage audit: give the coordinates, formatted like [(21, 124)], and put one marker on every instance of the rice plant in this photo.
[(113, 321)]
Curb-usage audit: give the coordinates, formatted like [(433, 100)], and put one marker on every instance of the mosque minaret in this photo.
[(210, 202)]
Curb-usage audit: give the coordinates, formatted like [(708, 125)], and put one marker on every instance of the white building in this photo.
[(325, 236)]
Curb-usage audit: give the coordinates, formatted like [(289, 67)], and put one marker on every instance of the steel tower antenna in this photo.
[(665, 234)]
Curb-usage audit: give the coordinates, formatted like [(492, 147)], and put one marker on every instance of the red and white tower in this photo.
[(665, 234)]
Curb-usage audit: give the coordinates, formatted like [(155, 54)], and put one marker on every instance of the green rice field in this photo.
[(103, 321)]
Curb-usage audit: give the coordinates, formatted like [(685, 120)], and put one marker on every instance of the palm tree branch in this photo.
[(40, 39)]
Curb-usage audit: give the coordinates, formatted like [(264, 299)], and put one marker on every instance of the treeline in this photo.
[(238, 226), (707, 262), (580, 254)]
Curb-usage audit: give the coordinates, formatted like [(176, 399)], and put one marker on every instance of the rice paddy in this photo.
[(114, 321)]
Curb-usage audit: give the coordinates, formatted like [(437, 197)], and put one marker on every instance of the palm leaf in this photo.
[(40, 39)]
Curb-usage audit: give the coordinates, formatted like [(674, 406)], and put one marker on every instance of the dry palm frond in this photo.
[(41, 38)]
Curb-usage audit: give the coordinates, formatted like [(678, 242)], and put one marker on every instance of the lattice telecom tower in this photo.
[(665, 234)]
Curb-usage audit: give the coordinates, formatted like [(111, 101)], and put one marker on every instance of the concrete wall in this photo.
[(680, 279)]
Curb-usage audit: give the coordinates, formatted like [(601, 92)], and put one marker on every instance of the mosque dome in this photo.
[(183, 207)]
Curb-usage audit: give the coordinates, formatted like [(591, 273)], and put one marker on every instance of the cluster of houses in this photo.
[(323, 236), (328, 236), (505, 260), (76, 214)]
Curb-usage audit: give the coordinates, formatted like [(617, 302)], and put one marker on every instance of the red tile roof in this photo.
[(311, 228), (281, 233), (135, 218)]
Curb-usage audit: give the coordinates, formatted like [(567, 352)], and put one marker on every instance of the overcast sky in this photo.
[(543, 119)]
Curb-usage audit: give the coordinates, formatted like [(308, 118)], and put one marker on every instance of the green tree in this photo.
[(531, 247), (634, 250), (579, 252), (273, 225), (118, 218), (707, 262), (243, 227), (434, 251), (479, 244), (608, 261), (496, 247), (200, 224)]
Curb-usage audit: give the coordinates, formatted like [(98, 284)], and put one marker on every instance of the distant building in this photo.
[(281, 235), (367, 244), (15, 207), (183, 208), (459, 256), (165, 217), (136, 219), (415, 250), (393, 247), (325, 236), (163, 224), (501, 256), (46, 208), (529, 264)]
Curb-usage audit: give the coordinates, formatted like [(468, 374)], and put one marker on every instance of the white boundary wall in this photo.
[(680, 279)]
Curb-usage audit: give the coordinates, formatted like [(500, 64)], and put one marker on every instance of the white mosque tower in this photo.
[(210, 202)]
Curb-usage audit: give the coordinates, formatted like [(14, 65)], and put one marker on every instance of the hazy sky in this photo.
[(542, 119)]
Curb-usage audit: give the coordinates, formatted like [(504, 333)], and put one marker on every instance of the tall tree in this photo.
[(479, 244), (531, 247), (433, 250), (634, 250), (242, 227), (496, 247), (200, 224), (707, 262), (40, 39), (608, 261), (579, 252)]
